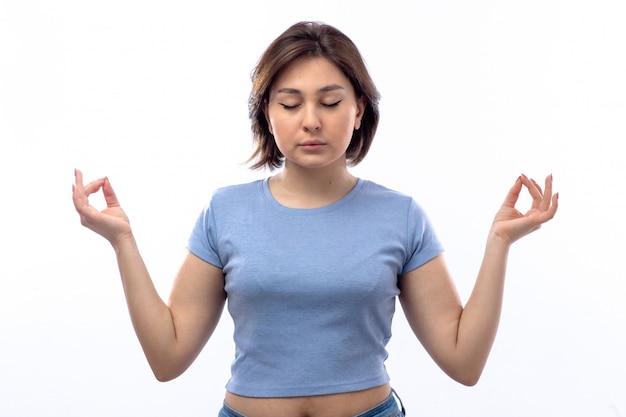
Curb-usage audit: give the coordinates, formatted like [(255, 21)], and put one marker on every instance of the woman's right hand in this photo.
[(111, 223)]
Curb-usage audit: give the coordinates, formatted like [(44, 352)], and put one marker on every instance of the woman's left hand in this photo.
[(510, 224)]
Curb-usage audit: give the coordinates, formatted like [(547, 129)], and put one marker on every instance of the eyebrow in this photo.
[(325, 89)]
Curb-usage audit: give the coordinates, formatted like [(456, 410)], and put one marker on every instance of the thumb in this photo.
[(109, 194)]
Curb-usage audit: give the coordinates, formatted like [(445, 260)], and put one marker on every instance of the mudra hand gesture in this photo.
[(510, 224), (111, 223)]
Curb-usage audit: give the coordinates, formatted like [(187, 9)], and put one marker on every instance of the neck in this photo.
[(299, 187)]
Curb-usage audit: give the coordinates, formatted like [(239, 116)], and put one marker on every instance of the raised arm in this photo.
[(173, 334), (460, 338)]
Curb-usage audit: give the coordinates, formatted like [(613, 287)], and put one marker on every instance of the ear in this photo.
[(267, 118), (360, 106)]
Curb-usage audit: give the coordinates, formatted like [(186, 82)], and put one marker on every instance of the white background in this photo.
[(154, 95)]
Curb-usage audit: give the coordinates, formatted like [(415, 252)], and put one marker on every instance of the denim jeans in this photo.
[(388, 408)]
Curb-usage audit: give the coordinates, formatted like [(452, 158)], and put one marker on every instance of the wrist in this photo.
[(123, 241), (498, 239)]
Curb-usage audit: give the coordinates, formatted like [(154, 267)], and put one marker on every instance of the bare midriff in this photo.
[(345, 404)]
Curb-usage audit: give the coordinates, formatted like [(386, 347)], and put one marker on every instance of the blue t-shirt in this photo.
[(311, 291)]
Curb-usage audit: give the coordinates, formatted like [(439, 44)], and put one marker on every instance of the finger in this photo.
[(537, 186), (80, 188), (78, 180), (513, 194), (88, 189), (109, 193), (551, 211), (534, 190), (93, 187), (78, 176), (555, 204), (547, 195), (80, 192), (537, 199)]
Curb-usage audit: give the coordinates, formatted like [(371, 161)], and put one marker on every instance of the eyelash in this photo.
[(331, 105)]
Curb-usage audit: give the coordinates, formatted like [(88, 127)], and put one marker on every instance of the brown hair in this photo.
[(316, 40)]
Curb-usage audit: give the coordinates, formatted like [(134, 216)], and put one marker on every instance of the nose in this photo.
[(311, 121)]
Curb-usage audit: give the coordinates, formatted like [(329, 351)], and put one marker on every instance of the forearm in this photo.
[(173, 334), (480, 317), (459, 337), (151, 317)]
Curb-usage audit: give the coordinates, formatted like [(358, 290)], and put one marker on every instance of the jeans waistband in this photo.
[(388, 408)]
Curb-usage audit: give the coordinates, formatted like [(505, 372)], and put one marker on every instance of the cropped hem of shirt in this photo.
[(311, 292), (266, 391)]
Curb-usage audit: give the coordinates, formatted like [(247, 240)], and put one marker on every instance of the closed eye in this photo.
[(331, 104), (291, 107)]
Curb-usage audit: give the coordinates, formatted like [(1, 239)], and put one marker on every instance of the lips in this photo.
[(312, 146), (312, 143)]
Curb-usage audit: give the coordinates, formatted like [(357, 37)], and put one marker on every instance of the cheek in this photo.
[(280, 127), (348, 124), (276, 122)]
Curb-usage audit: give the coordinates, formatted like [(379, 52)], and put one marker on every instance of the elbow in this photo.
[(469, 376), (167, 367), (165, 373), (465, 375), (468, 380), (163, 377)]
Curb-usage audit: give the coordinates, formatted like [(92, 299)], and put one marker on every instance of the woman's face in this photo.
[(312, 112)]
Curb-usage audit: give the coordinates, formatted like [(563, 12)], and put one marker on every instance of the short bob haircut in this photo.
[(310, 39)]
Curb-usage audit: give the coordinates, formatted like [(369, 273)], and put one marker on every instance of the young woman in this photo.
[(312, 258)]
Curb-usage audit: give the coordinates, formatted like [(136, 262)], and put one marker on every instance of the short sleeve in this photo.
[(202, 241), (422, 242)]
